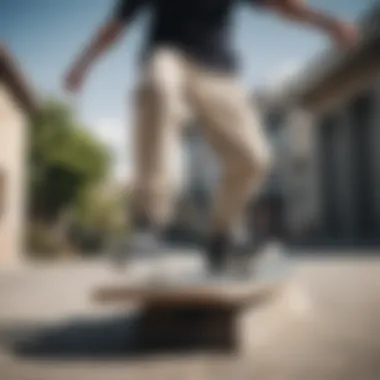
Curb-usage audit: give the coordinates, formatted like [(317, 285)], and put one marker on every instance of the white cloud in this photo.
[(287, 70), (111, 131), (283, 75), (116, 136)]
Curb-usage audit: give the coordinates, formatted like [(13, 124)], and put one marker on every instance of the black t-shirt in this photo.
[(199, 28)]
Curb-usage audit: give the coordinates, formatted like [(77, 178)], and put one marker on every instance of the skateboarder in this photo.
[(188, 64)]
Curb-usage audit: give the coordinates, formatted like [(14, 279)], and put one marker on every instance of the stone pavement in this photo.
[(326, 326)]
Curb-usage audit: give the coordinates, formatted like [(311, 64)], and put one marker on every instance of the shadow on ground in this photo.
[(115, 338)]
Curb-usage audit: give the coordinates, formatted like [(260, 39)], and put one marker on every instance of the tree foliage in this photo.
[(65, 159)]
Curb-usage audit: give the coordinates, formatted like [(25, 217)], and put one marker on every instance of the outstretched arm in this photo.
[(107, 35), (343, 33), (100, 43)]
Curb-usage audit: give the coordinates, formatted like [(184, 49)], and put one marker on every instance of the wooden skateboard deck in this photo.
[(196, 287), (231, 294), (195, 310), (203, 316)]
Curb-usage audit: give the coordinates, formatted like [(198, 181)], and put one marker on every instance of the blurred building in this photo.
[(202, 177), (16, 103), (324, 128), (266, 212), (332, 169)]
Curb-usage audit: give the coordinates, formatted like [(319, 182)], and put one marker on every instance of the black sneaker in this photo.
[(218, 254), (248, 254), (232, 257)]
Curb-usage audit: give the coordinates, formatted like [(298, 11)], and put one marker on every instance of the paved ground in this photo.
[(325, 326)]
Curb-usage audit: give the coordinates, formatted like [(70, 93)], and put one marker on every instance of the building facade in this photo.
[(16, 103), (203, 173), (333, 127), (324, 128), (266, 213)]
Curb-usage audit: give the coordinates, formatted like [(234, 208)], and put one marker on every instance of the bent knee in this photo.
[(161, 97), (256, 165)]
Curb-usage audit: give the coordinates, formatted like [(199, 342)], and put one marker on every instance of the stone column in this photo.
[(298, 175), (331, 167), (344, 173), (364, 157), (375, 139)]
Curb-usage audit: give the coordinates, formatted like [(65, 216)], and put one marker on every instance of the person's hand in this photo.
[(74, 79), (345, 35)]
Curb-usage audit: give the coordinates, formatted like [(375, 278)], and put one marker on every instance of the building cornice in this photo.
[(331, 68), (11, 75)]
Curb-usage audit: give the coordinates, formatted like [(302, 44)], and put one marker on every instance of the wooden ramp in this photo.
[(199, 314)]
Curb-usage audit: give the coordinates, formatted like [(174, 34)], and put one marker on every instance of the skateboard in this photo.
[(195, 309)]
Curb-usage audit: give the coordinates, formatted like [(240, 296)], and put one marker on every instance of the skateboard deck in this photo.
[(196, 287), (204, 316), (209, 293), (193, 309)]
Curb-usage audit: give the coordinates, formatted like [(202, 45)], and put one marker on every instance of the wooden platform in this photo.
[(203, 315), (231, 295)]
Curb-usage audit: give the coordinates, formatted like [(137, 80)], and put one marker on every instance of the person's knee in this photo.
[(162, 99), (256, 165), (265, 162)]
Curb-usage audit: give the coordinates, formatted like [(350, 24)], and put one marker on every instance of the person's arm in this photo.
[(107, 35), (342, 32)]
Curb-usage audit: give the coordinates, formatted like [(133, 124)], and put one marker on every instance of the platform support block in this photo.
[(189, 327)]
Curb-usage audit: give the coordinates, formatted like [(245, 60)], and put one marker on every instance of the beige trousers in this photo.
[(171, 90)]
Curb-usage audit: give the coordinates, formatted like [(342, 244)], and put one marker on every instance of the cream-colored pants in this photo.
[(172, 88)]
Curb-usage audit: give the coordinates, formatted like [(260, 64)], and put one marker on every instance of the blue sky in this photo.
[(44, 35)]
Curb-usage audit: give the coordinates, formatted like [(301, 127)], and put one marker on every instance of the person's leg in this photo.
[(233, 129), (159, 114)]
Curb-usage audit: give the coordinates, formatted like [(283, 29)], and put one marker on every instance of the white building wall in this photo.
[(13, 127)]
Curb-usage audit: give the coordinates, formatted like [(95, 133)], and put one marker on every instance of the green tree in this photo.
[(65, 159), (101, 217)]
